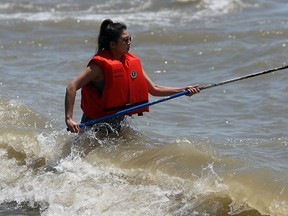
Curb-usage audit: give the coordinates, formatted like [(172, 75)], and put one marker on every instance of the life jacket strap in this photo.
[(126, 106)]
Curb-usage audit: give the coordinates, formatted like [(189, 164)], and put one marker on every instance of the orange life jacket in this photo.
[(124, 86)]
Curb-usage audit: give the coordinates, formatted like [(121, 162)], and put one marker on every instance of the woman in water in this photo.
[(113, 80)]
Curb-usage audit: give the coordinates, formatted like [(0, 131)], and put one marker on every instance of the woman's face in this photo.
[(124, 42)]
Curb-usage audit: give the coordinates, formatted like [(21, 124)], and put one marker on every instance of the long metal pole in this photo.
[(125, 111), (243, 77)]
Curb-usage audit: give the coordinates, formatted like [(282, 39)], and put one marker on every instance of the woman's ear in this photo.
[(112, 44)]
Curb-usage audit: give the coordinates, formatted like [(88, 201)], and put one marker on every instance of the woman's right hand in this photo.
[(72, 126)]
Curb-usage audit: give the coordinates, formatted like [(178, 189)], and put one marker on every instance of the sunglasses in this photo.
[(127, 39)]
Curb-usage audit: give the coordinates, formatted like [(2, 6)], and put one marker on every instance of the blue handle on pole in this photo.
[(125, 111)]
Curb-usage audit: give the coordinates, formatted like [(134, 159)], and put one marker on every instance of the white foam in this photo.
[(140, 14), (208, 8), (78, 187)]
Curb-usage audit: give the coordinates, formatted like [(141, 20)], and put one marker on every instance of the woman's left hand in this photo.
[(192, 90)]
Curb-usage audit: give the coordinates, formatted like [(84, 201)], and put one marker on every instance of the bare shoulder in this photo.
[(95, 72)]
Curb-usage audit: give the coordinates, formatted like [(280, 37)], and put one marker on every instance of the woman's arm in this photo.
[(90, 73), (157, 90)]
